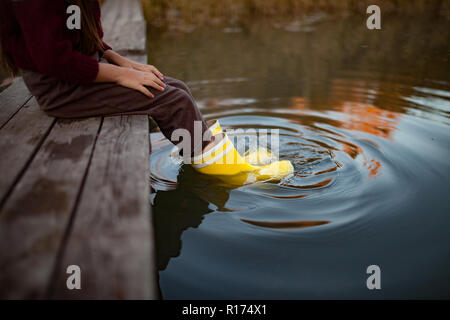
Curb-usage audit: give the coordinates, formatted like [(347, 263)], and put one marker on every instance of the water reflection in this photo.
[(172, 218), (286, 224), (364, 118)]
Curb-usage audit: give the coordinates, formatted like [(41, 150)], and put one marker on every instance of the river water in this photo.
[(364, 117)]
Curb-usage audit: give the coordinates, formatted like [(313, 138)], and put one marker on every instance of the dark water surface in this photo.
[(364, 117)]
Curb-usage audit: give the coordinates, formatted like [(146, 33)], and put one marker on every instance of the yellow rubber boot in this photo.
[(255, 157), (226, 163), (221, 159), (214, 126), (258, 157)]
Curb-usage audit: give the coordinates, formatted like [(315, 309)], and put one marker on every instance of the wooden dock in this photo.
[(77, 192)]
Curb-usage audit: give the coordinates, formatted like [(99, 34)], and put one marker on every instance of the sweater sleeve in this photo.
[(106, 46), (42, 23)]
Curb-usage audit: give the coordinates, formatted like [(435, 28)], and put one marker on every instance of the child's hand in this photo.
[(117, 59), (146, 68), (137, 80)]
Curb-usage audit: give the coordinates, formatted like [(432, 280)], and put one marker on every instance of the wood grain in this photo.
[(19, 139), (112, 235), (124, 26), (12, 99), (35, 217), (77, 191)]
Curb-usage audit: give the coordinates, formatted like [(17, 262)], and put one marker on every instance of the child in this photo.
[(73, 74)]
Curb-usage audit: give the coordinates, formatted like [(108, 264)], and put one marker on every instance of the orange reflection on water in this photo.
[(373, 120), (373, 166), (299, 103), (370, 119), (355, 115)]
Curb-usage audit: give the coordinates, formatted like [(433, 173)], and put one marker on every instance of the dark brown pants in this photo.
[(171, 109)]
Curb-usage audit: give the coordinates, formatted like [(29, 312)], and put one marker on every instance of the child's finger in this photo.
[(153, 84), (157, 86), (145, 91), (157, 72), (158, 81)]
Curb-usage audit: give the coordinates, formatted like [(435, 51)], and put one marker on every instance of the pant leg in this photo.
[(177, 84), (171, 109)]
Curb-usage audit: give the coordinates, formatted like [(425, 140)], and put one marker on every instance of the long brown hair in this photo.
[(90, 37), (90, 40), (6, 27)]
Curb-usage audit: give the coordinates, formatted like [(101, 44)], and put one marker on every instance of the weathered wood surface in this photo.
[(35, 217), (12, 99), (112, 233), (125, 26), (141, 58), (19, 140), (77, 191)]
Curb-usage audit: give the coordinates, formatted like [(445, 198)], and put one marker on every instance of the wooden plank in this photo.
[(12, 99), (141, 58), (112, 237), (34, 218), (124, 26), (19, 140)]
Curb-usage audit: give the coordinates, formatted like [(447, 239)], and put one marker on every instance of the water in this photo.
[(363, 116)]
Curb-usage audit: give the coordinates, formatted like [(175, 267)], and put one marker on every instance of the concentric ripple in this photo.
[(355, 169), (364, 118), (329, 161)]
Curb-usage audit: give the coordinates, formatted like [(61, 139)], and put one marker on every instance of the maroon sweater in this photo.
[(35, 35)]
